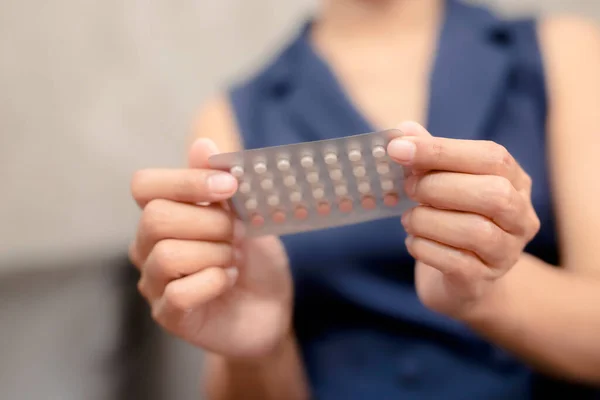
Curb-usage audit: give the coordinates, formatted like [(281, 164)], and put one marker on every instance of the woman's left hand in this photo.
[(474, 219)]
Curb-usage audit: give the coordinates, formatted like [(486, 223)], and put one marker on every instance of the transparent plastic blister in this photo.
[(316, 185)]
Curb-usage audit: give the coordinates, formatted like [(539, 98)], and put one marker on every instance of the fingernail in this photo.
[(409, 239), (402, 150), (210, 145), (232, 273), (406, 218), (221, 183)]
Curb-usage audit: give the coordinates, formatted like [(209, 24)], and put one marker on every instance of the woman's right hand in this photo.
[(204, 282)]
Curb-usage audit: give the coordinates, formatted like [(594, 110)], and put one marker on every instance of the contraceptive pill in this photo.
[(307, 161), (387, 185), (260, 168), (359, 171), (335, 174), (283, 164), (289, 180), (383, 168), (266, 184), (319, 193), (315, 185), (364, 187), (244, 187), (237, 171), (354, 155), (312, 177), (378, 151), (330, 158)]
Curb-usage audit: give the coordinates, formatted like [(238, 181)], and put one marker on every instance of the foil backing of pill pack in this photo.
[(315, 185)]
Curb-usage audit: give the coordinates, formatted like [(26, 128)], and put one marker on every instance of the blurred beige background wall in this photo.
[(92, 90)]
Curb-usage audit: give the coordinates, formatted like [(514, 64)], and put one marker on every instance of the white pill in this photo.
[(260, 167), (387, 184), (266, 184), (341, 190), (307, 161), (364, 187), (383, 169), (359, 171), (295, 197), (312, 177), (378, 151), (251, 204), (237, 171), (245, 187), (354, 155), (318, 193), (335, 174), (283, 164), (330, 158), (273, 200), (289, 180)]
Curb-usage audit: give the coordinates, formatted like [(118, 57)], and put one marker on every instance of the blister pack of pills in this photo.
[(316, 185)]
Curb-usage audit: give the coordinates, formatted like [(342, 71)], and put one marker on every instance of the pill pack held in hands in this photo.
[(315, 185)]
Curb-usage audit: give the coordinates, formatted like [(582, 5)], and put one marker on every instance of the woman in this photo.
[(496, 307)]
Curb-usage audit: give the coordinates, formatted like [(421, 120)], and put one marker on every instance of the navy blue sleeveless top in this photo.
[(362, 330)]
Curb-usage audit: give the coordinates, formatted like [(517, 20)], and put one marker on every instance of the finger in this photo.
[(466, 156), (411, 128), (200, 152), (183, 185), (526, 185), (174, 259), (460, 267), (474, 233), (164, 219), (190, 294), (488, 195), (133, 255)]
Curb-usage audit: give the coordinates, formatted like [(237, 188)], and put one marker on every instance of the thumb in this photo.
[(411, 128), (200, 151), (401, 149)]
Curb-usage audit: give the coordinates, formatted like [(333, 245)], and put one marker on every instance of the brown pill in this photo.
[(390, 199), (300, 213), (345, 205), (323, 208), (368, 203), (278, 217), (257, 220)]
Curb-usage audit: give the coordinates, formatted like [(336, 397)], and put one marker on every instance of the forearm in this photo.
[(548, 316), (280, 375)]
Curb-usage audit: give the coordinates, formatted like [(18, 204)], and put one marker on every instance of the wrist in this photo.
[(272, 350), (493, 307), (276, 374), (502, 307)]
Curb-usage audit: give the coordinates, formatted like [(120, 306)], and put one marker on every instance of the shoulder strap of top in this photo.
[(478, 53), (250, 96)]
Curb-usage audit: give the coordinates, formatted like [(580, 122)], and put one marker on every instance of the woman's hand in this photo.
[(204, 282), (474, 219)]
